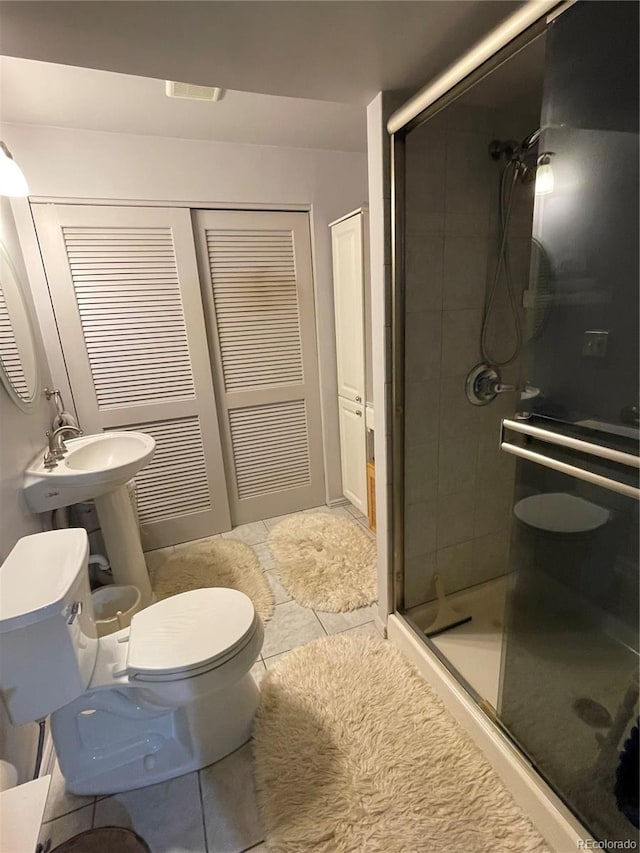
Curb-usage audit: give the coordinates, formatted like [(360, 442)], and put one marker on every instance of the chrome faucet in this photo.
[(57, 447)]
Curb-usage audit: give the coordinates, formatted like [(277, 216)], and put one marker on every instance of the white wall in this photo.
[(65, 163), (22, 437)]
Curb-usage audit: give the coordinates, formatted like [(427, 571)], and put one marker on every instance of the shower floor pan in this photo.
[(474, 648)]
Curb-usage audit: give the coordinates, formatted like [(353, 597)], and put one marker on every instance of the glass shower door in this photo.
[(569, 679), (569, 671)]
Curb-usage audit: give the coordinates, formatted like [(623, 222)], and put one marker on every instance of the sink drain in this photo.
[(592, 713)]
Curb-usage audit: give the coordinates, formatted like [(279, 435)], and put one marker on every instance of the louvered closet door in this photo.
[(256, 268), (125, 291)]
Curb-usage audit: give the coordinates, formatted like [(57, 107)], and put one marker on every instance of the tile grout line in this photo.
[(71, 811), (355, 627), (286, 651), (224, 757), (326, 633), (277, 654)]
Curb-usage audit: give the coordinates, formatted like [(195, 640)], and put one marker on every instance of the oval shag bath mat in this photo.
[(325, 562), (354, 753), (216, 562)]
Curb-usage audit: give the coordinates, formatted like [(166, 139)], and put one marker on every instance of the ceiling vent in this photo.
[(192, 92)]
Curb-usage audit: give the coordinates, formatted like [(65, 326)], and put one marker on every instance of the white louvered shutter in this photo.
[(9, 352), (125, 291), (259, 296)]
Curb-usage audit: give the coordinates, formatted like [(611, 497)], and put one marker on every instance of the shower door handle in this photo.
[(565, 467), (572, 471), (566, 441)]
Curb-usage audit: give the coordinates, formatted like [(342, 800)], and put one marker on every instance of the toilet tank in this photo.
[(48, 638)]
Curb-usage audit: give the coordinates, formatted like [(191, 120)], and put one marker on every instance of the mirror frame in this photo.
[(25, 405)]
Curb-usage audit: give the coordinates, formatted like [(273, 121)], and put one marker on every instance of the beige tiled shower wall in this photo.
[(458, 485)]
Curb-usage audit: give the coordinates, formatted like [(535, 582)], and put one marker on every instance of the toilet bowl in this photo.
[(169, 694), (114, 607)]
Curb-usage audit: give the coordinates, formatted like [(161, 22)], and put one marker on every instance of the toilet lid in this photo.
[(559, 512), (188, 631)]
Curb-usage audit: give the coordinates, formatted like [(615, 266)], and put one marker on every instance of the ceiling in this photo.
[(43, 93), (329, 50)]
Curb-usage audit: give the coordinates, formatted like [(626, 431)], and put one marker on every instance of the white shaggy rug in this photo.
[(354, 753), (325, 562), (215, 562)]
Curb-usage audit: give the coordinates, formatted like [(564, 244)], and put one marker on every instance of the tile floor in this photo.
[(213, 810)]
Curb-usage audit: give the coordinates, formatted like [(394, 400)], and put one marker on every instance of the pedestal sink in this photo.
[(98, 467)]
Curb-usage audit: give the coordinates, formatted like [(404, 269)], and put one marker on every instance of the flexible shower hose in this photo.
[(503, 261)]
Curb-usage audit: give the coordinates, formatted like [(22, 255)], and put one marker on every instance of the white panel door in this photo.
[(257, 277), (125, 291), (353, 452), (348, 295)]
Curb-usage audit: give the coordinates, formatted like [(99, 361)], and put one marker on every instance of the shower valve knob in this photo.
[(481, 385)]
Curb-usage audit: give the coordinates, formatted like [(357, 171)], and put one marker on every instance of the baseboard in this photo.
[(547, 812), (341, 501)]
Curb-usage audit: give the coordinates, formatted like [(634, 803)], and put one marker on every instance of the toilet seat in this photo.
[(189, 633)]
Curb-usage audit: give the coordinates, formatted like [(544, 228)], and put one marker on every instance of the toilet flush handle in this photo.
[(72, 611)]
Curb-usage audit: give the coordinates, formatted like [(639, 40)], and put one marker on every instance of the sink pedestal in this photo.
[(98, 467), (122, 541)]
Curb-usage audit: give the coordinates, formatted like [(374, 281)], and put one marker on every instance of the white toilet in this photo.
[(168, 695)]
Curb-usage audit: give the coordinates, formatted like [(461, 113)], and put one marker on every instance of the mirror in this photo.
[(18, 359)]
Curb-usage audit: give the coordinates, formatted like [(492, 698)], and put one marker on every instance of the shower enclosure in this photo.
[(515, 441)]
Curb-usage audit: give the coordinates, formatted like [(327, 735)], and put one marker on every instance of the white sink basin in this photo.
[(93, 465)]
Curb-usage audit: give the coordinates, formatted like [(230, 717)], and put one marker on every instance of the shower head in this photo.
[(507, 149), (511, 150), (527, 156), (532, 140), (523, 155)]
